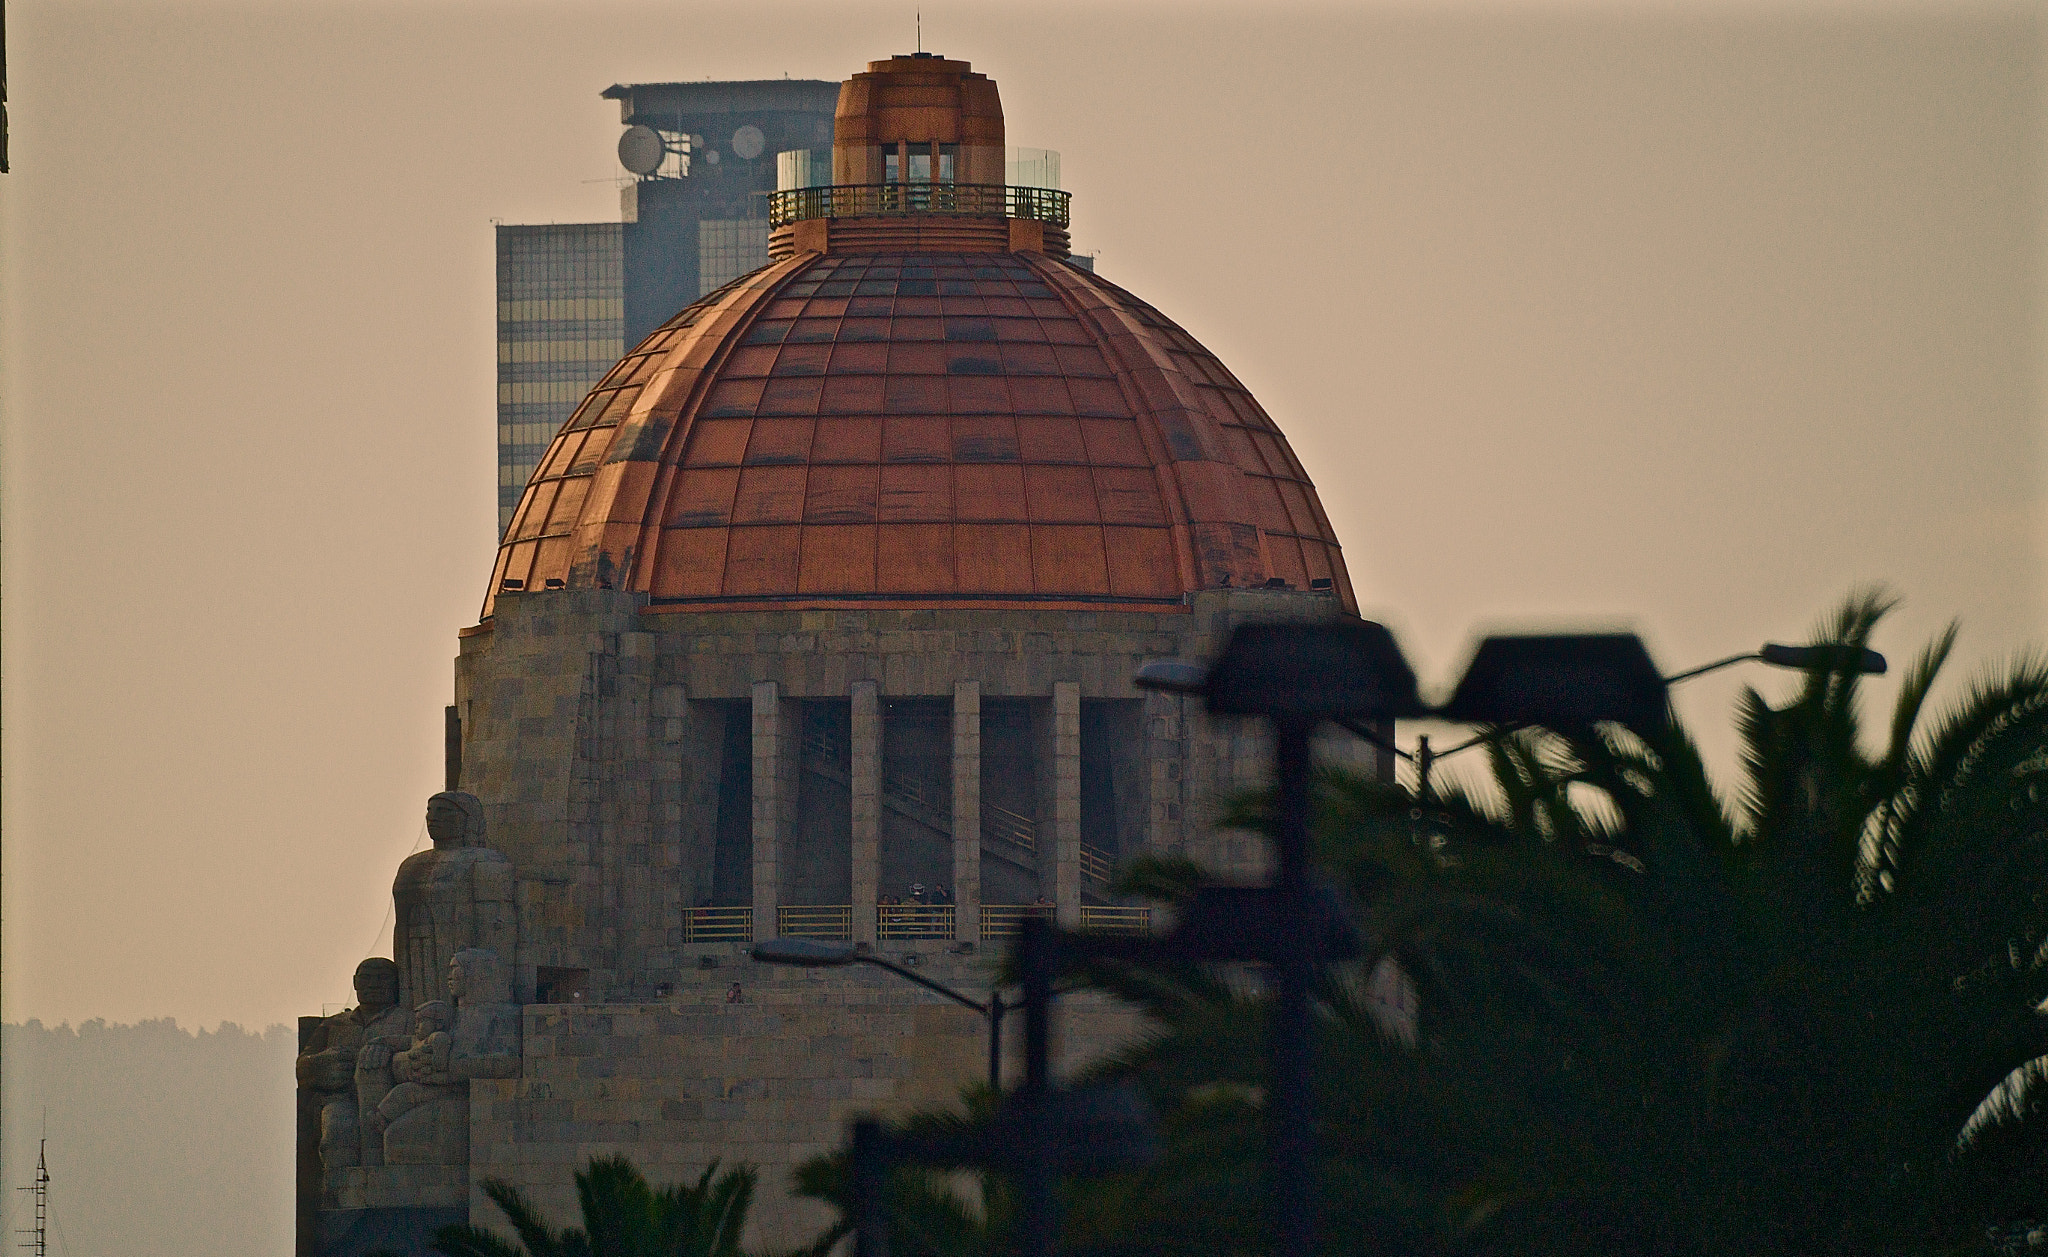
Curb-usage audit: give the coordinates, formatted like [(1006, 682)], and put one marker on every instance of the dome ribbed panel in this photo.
[(982, 429)]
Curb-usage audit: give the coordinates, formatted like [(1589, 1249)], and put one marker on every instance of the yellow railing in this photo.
[(814, 921), (1014, 828), (1000, 920), (718, 925), (1096, 863), (913, 920), (861, 200), (1115, 919)]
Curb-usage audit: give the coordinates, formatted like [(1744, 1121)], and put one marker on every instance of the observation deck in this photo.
[(939, 216)]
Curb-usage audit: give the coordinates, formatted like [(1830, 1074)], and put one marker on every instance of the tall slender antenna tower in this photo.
[(38, 1240)]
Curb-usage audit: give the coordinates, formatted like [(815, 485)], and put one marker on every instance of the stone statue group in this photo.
[(391, 1075)]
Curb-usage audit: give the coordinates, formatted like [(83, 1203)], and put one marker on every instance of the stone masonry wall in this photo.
[(590, 722), (769, 1082)]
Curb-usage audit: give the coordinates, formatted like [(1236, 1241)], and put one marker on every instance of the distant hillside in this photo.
[(162, 1141)]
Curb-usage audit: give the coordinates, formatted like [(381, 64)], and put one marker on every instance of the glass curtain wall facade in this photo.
[(728, 248), (561, 326)]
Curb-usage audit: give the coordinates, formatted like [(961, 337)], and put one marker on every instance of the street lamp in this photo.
[(813, 954), (1298, 675), (1523, 674)]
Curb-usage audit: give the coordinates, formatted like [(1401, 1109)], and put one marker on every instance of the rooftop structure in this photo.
[(817, 618), (919, 404), (700, 160)]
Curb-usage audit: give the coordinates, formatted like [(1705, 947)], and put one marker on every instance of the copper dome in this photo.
[(918, 404), (919, 429)]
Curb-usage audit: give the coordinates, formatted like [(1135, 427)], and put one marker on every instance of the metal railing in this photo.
[(913, 920), (1096, 863), (1000, 920), (1012, 827), (1115, 919), (718, 925), (828, 921), (865, 200)]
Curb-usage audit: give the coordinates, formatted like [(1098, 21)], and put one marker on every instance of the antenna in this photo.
[(37, 1243), (920, 30)]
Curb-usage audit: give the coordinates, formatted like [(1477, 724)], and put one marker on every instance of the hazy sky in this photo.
[(1694, 315)]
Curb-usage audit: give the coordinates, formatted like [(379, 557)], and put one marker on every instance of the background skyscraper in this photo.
[(573, 297)]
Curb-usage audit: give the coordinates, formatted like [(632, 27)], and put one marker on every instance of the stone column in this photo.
[(1066, 802), (866, 789), (967, 811), (775, 753)]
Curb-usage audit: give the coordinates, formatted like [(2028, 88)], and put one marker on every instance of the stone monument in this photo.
[(424, 1120), (343, 1063), (457, 896), (422, 1086)]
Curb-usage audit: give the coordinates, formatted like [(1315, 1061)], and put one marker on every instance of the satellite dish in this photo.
[(747, 143), (641, 150)]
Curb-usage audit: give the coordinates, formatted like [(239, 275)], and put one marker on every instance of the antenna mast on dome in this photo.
[(920, 29), (37, 1242)]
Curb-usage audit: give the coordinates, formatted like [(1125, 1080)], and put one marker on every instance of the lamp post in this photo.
[(1861, 659), (1298, 675), (812, 954)]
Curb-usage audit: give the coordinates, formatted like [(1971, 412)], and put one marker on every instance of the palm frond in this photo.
[(1991, 710), (1913, 691), (2010, 1104), (540, 1240)]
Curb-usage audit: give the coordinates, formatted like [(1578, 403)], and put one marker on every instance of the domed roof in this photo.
[(915, 428)]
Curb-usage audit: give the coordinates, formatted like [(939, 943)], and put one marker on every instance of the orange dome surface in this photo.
[(919, 429)]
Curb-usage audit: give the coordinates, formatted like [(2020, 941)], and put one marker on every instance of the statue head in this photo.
[(377, 983), (476, 977), (432, 1016), (455, 819)]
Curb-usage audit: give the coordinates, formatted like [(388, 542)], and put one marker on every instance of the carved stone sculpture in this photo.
[(425, 1118), (457, 896), (341, 1049), (423, 1082)]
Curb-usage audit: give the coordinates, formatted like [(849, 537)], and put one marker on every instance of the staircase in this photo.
[(1008, 836)]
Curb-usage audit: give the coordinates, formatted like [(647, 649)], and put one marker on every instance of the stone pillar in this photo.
[(1066, 802), (866, 789), (967, 811), (775, 761)]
